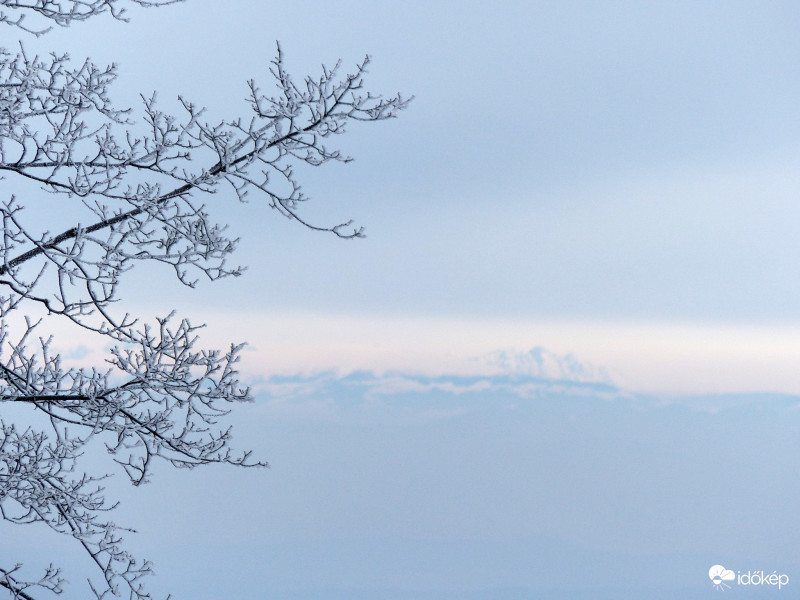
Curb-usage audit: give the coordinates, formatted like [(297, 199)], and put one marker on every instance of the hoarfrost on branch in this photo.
[(135, 180)]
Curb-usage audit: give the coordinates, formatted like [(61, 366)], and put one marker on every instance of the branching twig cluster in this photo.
[(134, 188), (64, 12)]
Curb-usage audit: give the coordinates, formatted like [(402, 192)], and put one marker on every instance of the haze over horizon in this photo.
[(564, 363)]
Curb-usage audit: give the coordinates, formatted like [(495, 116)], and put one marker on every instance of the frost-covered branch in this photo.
[(65, 12), (134, 181)]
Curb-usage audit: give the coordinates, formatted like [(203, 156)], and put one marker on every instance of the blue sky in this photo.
[(622, 167), (612, 184)]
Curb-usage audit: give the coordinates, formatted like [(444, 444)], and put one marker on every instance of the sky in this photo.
[(623, 167), (564, 360)]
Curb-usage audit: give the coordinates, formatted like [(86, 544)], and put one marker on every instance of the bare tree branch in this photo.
[(65, 12), (134, 179)]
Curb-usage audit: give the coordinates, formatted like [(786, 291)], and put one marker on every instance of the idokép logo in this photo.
[(719, 575), (723, 578)]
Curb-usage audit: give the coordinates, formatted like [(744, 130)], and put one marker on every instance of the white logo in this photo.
[(719, 575)]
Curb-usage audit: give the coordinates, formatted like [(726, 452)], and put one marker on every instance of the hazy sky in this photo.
[(613, 184), (625, 167)]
